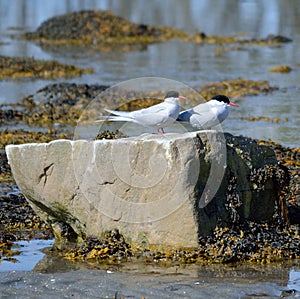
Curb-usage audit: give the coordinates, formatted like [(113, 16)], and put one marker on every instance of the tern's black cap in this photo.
[(172, 94), (221, 98)]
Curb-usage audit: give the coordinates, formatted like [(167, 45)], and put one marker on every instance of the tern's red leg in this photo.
[(160, 131)]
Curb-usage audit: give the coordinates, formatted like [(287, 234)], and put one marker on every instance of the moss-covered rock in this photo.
[(24, 67), (96, 26)]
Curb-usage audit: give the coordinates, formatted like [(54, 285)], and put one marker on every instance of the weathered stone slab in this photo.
[(157, 190)]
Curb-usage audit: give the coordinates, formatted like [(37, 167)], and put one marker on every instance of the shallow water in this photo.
[(30, 255), (186, 62), (53, 276), (188, 281)]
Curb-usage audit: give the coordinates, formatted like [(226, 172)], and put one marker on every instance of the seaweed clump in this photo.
[(110, 135), (236, 88), (59, 103), (28, 67), (22, 136), (111, 245), (280, 69), (252, 242), (6, 243), (249, 242), (289, 159), (17, 222)]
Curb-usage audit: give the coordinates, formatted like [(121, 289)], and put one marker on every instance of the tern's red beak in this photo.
[(232, 104)]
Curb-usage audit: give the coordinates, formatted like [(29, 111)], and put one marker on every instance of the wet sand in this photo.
[(54, 277), (101, 284)]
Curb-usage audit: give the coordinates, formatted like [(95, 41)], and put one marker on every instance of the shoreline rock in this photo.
[(28, 67), (97, 26), (74, 185)]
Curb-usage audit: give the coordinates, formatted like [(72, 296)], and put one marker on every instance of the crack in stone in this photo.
[(46, 172), (108, 182)]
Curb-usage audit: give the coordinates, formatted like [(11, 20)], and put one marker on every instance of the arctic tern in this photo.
[(157, 116), (209, 114)]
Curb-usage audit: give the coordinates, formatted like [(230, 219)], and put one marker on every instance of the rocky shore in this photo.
[(273, 240), (52, 112)]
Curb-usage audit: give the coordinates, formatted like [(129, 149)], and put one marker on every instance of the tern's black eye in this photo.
[(221, 98)]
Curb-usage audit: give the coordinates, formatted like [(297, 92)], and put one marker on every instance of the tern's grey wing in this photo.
[(139, 113), (159, 115), (204, 120), (151, 110), (200, 118), (119, 113), (151, 117), (154, 116), (150, 120)]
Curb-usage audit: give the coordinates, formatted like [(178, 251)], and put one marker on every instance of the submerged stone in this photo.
[(159, 191), (280, 69)]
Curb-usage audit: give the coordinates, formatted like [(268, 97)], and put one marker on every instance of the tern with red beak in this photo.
[(157, 116), (209, 114)]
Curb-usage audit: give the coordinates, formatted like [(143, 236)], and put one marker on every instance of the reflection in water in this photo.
[(294, 280), (29, 257), (258, 18), (215, 273)]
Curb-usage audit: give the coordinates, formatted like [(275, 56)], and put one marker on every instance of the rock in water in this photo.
[(157, 190)]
